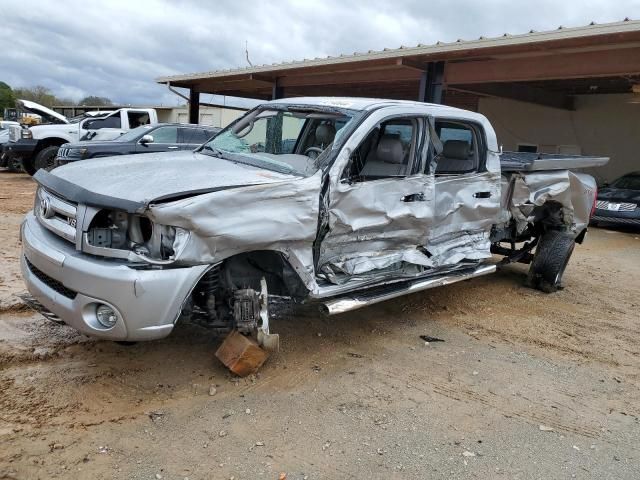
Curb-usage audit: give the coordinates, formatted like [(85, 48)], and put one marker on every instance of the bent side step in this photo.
[(353, 302)]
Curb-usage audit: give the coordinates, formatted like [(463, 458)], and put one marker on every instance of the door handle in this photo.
[(414, 197), (482, 194), (172, 148)]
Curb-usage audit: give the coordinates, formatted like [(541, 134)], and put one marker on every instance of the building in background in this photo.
[(569, 90), (216, 116)]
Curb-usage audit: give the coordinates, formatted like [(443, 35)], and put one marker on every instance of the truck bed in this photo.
[(529, 162)]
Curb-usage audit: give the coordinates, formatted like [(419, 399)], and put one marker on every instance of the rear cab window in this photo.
[(463, 148)]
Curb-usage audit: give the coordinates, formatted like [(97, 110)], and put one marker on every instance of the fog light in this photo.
[(106, 316)]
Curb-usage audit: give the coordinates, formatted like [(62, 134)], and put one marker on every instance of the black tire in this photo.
[(27, 166), (550, 261), (14, 164), (45, 157)]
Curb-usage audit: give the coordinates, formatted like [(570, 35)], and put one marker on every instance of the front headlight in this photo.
[(26, 134), (119, 234)]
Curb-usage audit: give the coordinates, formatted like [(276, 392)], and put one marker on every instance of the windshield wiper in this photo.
[(247, 159), (214, 151)]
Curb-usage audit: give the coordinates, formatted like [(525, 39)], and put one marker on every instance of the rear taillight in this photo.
[(595, 201)]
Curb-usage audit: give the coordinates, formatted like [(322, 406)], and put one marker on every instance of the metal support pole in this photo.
[(276, 91), (194, 106), (431, 83)]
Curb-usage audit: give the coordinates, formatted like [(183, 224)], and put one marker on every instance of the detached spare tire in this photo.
[(550, 261)]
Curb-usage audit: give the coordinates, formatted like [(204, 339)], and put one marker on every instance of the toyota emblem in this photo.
[(45, 208)]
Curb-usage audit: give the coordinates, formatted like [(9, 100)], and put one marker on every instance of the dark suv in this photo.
[(162, 137)]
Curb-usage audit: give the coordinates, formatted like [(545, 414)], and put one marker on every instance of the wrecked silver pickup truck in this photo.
[(335, 201)]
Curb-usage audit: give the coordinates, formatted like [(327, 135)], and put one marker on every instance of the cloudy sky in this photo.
[(116, 48)]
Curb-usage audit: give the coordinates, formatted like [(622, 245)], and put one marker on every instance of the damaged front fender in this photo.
[(280, 216)]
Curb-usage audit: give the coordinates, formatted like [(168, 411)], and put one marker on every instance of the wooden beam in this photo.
[(551, 67), (398, 92), (523, 93), (267, 81), (419, 65), (367, 76)]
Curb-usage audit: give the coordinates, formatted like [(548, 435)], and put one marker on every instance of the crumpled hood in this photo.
[(140, 179), (620, 195)]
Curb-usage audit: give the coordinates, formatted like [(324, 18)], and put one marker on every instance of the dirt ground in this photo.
[(524, 385)]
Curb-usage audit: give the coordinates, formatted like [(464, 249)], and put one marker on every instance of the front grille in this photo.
[(50, 282), (63, 152), (616, 206), (618, 220), (56, 214), (15, 133)]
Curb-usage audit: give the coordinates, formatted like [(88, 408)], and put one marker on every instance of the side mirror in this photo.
[(146, 139)]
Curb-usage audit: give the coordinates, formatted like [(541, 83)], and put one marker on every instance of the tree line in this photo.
[(43, 96)]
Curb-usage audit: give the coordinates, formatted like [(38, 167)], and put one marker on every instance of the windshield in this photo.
[(133, 135), (76, 119), (82, 116), (283, 138), (628, 182)]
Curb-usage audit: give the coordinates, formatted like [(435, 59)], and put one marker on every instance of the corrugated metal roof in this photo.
[(531, 37)]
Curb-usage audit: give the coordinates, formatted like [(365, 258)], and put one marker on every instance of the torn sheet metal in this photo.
[(371, 229), (453, 248), (465, 203), (529, 161), (278, 216), (574, 192), (368, 261)]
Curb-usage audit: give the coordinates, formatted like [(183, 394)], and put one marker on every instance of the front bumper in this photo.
[(71, 284), (23, 148), (618, 218)]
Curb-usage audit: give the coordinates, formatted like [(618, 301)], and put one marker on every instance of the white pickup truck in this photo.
[(37, 146)]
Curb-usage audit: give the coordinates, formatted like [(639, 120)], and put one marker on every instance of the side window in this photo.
[(165, 135), (460, 152), (195, 135), (108, 122), (137, 119), (389, 150)]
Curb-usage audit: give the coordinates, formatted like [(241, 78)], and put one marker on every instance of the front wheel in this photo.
[(27, 166), (14, 164), (45, 157), (550, 261)]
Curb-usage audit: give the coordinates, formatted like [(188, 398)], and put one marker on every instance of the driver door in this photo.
[(380, 203)]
